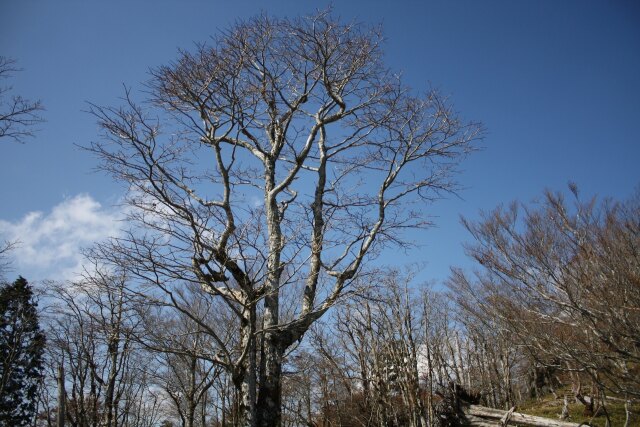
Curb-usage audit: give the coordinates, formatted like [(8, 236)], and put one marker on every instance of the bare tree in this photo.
[(386, 354), (492, 364), (278, 160), (91, 335), (5, 262), (563, 281), (17, 114), (186, 354), (383, 335)]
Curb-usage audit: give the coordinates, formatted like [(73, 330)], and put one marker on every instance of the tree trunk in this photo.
[(270, 390), (627, 412), (61, 397), (246, 383), (113, 348)]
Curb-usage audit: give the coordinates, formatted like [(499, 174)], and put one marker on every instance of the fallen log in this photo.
[(482, 416)]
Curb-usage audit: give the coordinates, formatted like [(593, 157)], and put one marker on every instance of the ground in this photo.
[(551, 407)]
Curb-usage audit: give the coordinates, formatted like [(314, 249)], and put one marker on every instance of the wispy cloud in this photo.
[(50, 243)]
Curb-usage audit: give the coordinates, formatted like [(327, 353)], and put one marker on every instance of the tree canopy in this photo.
[(270, 166)]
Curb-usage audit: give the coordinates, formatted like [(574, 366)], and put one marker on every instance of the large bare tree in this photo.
[(270, 166)]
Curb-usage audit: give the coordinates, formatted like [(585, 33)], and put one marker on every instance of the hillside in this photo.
[(550, 407)]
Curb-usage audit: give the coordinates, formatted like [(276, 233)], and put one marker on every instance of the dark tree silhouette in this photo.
[(21, 348)]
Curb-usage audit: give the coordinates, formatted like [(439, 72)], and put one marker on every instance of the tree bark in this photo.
[(61, 398), (246, 384), (270, 390)]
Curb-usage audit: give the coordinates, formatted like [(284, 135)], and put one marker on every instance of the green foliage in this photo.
[(21, 349)]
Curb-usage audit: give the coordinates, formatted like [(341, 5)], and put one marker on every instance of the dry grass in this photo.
[(551, 408)]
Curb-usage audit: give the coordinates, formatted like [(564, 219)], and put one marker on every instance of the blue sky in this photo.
[(556, 84)]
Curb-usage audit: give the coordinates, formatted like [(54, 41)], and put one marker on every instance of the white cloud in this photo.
[(50, 243)]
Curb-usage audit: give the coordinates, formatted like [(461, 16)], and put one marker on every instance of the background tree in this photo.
[(5, 262), (187, 369), (382, 338), (92, 325), (275, 163), (17, 114), (21, 348), (563, 281)]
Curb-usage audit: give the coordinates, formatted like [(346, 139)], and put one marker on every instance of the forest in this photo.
[(268, 174)]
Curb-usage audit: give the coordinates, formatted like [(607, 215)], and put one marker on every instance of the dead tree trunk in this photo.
[(482, 416)]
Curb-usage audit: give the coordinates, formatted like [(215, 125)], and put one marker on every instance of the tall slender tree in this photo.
[(21, 347)]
